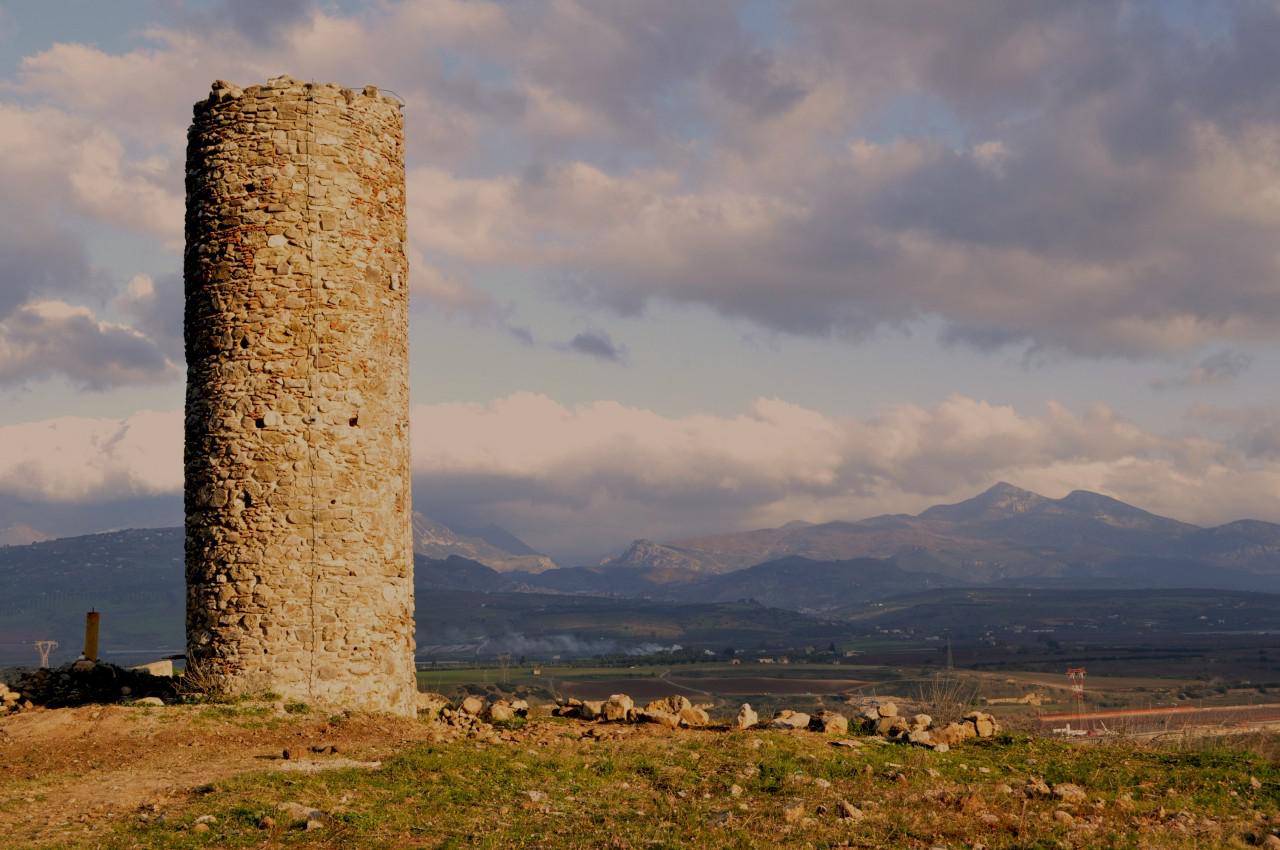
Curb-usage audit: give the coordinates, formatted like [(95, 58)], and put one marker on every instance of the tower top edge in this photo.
[(286, 86)]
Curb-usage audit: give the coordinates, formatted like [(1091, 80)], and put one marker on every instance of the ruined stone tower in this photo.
[(298, 548)]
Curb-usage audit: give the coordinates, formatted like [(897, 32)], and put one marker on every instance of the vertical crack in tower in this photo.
[(299, 550)]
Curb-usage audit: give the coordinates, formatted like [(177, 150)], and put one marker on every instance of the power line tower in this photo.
[(1076, 675), (44, 647)]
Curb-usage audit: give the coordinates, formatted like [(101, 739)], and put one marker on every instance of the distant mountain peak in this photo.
[(999, 501), (493, 547)]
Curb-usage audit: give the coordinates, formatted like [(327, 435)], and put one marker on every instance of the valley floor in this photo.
[(213, 776)]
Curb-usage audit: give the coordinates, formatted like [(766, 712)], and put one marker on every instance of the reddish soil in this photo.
[(63, 772)]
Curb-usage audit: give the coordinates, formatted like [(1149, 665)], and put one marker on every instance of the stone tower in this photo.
[(298, 548)]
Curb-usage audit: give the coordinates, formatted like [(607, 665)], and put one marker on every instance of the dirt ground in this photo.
[(65, 773)]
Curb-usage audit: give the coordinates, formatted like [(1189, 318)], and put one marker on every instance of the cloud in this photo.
[(78, 459), (1088, 178), (1217, 368), (582, 480), (47, 338), (595, 343)]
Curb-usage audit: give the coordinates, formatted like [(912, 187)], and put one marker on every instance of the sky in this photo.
[(684, 268)]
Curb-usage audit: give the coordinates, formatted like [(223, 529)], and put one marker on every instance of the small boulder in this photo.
[(921, 738), (616, 708), (501, 712), (153, 701), (984, 725), (747, 717), (953, 734), (673, 704), (848, 811), (592, 709), (472, 705), (1036, 787), (297, 813), (430, 705), (788, 719), (921, 721), (887, 709), (892, 727), (694, 717), (663, 718), (1069, 792), (829, 723)]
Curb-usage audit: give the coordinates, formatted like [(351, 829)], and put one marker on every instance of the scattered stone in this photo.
[(673, 704), (847, 742), (1271, 842), (1002, 788), (164, 667), (848, 811), (921, 738), (267, 822), (200, 827), (921, 721), (1254, 783), (313, 825), (694, 717), (472, 705), (887, 709), (788, 719), (735, 790), (983, 724), (536, 796), (298, 813), (152, 701), (747, 717), (1064, 817), (830, 723), (84, 683), (663, 718), (206, 819), (617, 707), (821, 783), (501, 712), (430, 705), (1068, 792), (1037, 787), (793, 811)]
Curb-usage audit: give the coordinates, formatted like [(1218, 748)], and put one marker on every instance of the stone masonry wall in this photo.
[(298, 547)]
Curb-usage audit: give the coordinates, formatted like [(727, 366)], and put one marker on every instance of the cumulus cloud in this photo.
[(1081, 177), (80, 459), (47, 338)]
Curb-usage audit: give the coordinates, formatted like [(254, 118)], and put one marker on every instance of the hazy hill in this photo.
[(492, 546), (1003, 534)]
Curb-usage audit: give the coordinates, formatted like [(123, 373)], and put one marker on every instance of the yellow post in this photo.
[(91, 621)]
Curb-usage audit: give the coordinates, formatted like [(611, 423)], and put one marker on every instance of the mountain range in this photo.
[(1004, 537), (1005, 534)]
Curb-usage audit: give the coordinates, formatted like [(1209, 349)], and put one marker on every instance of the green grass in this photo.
[(647, 790)]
